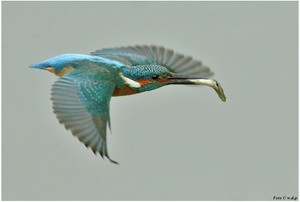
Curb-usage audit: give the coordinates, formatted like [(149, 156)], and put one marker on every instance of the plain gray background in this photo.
[(174, 143)]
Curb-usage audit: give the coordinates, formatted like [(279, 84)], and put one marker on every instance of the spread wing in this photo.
[(141, 55), (81, 102)]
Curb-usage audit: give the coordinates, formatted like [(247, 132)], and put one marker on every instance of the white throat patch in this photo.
[(129, 81)]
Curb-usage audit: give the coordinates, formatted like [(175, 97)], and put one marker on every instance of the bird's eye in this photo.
[(155, 77)]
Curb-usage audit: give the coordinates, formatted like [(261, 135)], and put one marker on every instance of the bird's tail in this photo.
[(43, 66), (58, 71), (40, 65)]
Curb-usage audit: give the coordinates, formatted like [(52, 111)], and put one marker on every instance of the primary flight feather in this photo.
[(82, 94)]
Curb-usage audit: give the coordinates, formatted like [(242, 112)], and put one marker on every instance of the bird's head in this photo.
[(149, 77)]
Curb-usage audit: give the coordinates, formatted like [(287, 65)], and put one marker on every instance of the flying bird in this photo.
[(86, 83)]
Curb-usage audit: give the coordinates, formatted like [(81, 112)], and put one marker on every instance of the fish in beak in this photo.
[(190, 80)]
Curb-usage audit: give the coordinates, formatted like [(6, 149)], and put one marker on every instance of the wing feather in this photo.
[(82, 105), (157, 55)]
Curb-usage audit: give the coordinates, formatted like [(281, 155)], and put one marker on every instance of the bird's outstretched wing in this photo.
[(141, 55), (81, 102)]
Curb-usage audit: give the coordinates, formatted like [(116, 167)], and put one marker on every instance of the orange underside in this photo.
[(124, 91), (128, 91)]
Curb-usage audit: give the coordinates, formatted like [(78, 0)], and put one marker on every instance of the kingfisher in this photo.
[(81, 95)]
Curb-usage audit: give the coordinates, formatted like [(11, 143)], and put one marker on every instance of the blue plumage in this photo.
[(82, 94), (61, 61)]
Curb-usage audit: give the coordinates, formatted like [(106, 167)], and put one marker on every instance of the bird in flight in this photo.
[(86, 83)]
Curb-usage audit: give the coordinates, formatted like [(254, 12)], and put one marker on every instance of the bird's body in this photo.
[(82, 94)]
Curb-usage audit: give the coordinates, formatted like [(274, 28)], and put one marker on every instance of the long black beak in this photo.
[(190, 80)]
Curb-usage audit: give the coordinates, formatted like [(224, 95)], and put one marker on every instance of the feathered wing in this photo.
[(81, 103), (141, 55)]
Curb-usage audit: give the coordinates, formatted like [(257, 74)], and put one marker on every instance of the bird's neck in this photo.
[(125, 85), (129, 84)]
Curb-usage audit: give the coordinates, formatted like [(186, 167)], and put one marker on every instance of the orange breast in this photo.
[(124, 91)]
